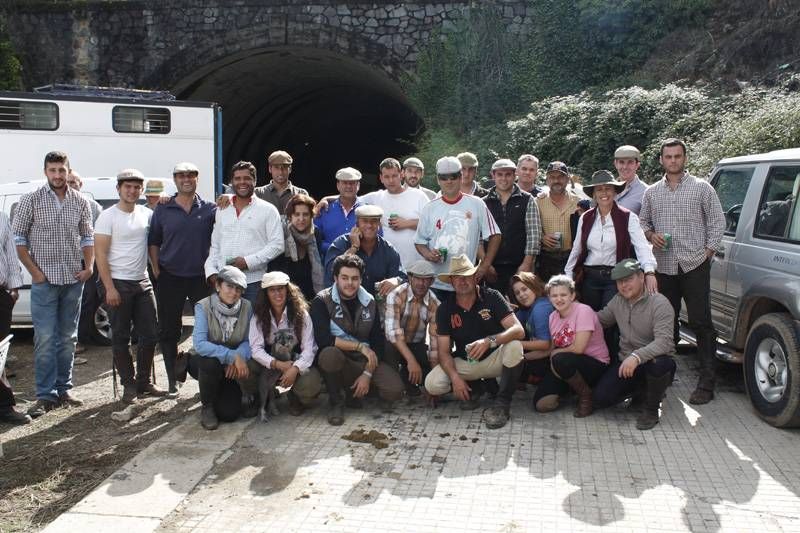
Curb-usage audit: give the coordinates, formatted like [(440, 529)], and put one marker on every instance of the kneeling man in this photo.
[(646, 345), (349, 334), (487, 338)]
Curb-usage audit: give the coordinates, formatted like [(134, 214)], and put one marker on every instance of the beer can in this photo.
[(378, 297), (560, 238), (667, 241), (443, 253)]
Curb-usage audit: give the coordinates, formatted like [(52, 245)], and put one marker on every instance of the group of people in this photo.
[(400, 291)]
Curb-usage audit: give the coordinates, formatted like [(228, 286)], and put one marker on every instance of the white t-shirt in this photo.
[(407, 204), (127, 256), (458, 226)]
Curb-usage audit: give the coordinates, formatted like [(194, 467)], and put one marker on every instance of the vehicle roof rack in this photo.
[(65, 89)]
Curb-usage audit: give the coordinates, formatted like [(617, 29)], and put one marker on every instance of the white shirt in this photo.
[(255, 233), (308, 347), (602, 245), (407, 204), (127, 255), (457, 226)]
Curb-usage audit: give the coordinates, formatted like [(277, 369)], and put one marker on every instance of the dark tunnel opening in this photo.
[(327, 110)]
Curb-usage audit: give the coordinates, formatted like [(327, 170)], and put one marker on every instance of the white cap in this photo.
[(448, 165), (348, 174), (185, 167)]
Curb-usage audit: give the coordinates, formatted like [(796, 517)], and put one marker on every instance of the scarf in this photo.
[(225, 315), (293, 238)]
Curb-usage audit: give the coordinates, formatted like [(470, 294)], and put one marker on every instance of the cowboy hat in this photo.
[(460, 265), (603, 177)]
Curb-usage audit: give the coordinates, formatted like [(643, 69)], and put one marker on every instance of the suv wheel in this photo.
[(772, 369)]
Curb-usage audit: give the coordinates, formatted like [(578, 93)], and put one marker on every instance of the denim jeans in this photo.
[(252, 292), (55, 310)]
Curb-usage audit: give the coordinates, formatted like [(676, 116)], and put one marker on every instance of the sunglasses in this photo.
[(449, 177)]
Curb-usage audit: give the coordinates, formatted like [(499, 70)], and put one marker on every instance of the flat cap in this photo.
[(130, 174), (558, 166), (413, 162), (504, 163), (274, 279), (348, 174), (448, 165), (468, 159), (233, 275), (279, 158), (627, 152), (625, 268), (185, 167), (421, 269), (369, 211)]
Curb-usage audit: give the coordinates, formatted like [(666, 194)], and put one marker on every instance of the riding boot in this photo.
[(584, 393), (655, 389)]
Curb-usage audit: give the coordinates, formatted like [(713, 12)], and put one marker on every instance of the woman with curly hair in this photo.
[(301, 259), (526, 291), (282, 342)]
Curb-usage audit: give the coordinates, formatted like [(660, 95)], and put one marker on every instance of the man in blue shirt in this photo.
[(383, 270), (178, 241), (339, 217)]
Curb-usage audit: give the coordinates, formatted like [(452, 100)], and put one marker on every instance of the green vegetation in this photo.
[(475, 83), (10, 67)]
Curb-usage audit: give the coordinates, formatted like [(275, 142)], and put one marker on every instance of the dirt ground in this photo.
[(51, 464)]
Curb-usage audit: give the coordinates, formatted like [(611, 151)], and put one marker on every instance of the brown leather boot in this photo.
[(584, 393)]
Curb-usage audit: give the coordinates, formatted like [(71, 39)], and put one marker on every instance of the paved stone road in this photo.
[(715, 467)]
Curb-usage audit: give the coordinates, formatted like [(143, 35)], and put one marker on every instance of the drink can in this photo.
[(393, 215), (378, 297), (229, 260), (560, 238), (467, 348), (443, 253), (667, 241)]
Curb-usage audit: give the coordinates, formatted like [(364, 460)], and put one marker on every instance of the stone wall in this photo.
[(155, 43)]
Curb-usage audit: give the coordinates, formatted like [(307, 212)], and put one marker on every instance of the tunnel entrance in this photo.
[(327, 110)]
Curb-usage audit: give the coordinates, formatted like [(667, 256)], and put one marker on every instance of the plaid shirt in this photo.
[(555, 219), (10, 271), (54, 231), (693, 216), (398, 312)]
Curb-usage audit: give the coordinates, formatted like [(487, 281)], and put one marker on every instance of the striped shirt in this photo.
[(691, 214), (10, 271), (54, 231), (399, 306), (557, 219)]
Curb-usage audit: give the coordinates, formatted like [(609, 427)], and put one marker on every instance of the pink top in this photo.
[(581, 317)]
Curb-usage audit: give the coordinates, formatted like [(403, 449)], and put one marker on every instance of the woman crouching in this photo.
[(579, 355), (282, 339), (220, 339)]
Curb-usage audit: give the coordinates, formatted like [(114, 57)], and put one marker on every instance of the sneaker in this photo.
[(66, 398), (496, 416), (208, 418), (172, 393), (12, 416), (41, 407), (151, 390), (129, 394), (336, 415), (79, 360)]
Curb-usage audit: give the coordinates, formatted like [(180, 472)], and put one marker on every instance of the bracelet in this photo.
[(367, 373), (359, 346), (637, 357)]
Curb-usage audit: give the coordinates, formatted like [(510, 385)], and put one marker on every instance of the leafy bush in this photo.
[(10, 67)]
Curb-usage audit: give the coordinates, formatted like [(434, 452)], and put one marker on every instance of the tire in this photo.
[(772, 369), (94, 326)]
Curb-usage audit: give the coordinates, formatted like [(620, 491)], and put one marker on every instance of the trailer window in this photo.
[(24, 115), (141, 119)]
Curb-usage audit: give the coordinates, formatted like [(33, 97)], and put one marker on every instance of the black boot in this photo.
[(655, 389), (497, 416), (333, 384)]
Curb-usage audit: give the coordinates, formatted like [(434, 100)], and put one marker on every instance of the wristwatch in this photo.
[(492, 342)]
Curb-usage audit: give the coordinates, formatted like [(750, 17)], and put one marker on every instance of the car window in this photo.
[(778, 211), (731, 185)]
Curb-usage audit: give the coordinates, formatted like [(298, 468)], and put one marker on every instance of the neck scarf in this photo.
[(226, 315), (293, 239)]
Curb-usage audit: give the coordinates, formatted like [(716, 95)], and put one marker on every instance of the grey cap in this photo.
[(130, 174), (627, 152), (625, 268), (413, 162), (421, 269), (348, 174), (504, 163), (233, 275), (369, 211), (185, 167), (468, 159)]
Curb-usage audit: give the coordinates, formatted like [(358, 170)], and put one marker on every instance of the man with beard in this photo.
[(178, 243), (469, 173), (627, 160), (53, 233), (558, 209), (279, 189), (413, 172), (248, 234)]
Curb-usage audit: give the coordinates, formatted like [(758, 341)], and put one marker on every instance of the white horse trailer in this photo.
[(105, 130)]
